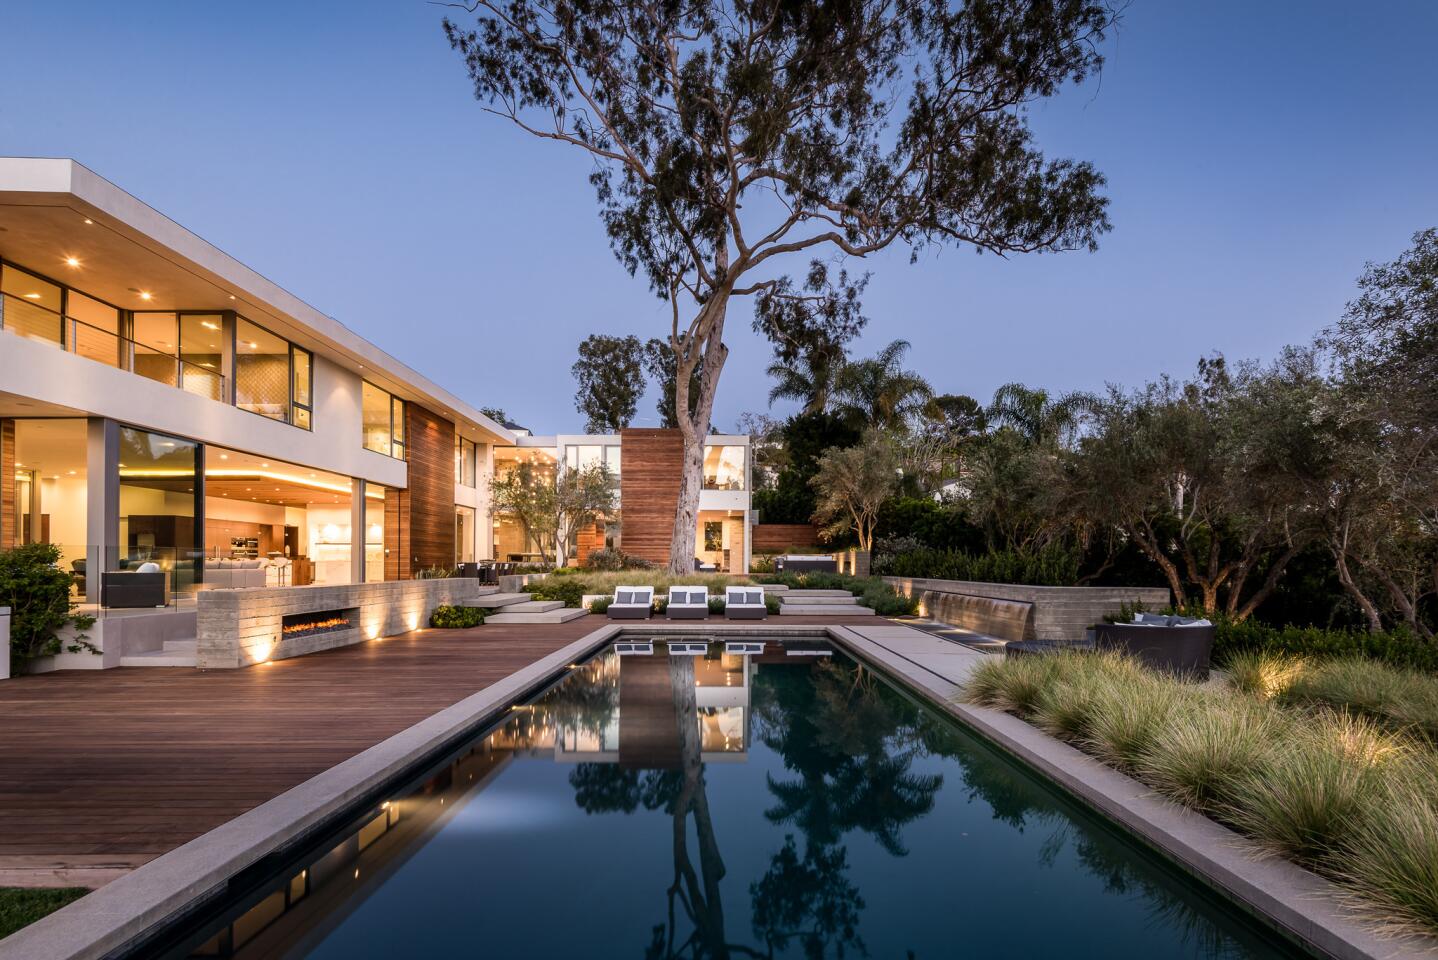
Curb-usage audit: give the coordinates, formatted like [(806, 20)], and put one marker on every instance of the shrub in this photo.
[(569, 590), (1305, 803), (600, 604), (1397, 647), (1128, 718), (1013, 684), (1205, 748), (716, 605), (436, 573), (1399, 699), (446, 617), (761, 563), (771, 603), (1392, 856), (1056, 566), (614, 559), (1263, 675), (661, 604), (886, 601), (37, 592), (1066, 707)]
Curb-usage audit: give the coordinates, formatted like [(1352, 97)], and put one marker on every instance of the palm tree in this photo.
[(879, 390), (1038, 418), (811, 381)]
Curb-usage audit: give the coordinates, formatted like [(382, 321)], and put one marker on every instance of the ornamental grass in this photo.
[(1329, 764)]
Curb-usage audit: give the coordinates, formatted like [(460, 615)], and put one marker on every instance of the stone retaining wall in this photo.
[(1012, 611), (239, 628)]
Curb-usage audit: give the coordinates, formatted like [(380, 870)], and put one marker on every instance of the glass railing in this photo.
[(120, 582), (103, 346)]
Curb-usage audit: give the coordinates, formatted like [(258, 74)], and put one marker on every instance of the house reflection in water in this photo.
[(633, 711)]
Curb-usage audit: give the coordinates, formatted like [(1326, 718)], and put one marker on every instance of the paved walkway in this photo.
[(103, 770)]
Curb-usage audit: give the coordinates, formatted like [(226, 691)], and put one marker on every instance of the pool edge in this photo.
[(1296, 902)]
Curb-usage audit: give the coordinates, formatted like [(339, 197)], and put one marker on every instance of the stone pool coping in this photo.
[(116, 916), (1301, 904)]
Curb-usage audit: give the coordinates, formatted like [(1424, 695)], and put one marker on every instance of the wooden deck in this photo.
[(102, 770)]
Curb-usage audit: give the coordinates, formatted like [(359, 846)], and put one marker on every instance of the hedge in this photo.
[(456, 618), (1051, 567), (1397, 647)]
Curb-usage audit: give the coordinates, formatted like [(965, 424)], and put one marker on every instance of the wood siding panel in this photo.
[(651, 462), (396, 534), (779, 537), (429, 448), (9, 512)]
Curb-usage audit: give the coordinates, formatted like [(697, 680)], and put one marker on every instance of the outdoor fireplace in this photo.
[(308, 624)]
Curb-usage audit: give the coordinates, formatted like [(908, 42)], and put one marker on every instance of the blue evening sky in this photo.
[(1257, 155)]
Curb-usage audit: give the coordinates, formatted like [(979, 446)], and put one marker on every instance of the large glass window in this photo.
[(383, 419), (262, 371), (157, 507), (374, 521), (464, 461), (50, 458), (201, 354), (464, 534), (273, 377), (724, 467), (29, 306)]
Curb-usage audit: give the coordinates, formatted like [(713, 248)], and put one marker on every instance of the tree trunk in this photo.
[(1149, 545), (1345, 577), (695, 428), (1270, 582)]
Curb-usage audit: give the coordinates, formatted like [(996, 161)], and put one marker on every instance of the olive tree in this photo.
[(731, 138), (552, 508), (853, 483)]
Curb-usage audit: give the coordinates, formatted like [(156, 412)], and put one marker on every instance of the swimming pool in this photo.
[(724, 799)]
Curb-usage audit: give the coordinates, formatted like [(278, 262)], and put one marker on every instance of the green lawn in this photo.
[(21, 906)]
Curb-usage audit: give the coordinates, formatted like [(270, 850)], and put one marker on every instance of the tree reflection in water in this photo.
[(851, 743)]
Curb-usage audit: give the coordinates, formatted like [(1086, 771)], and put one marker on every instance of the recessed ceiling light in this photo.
[(32, 296), (265, 465), (232, 296), (72, 261), (210, 324), (145, 295), (88, 220), (224, 456), (71, 472)]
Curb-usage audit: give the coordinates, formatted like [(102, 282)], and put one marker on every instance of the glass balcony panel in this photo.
[(92, 343), (154, 365), (201, 381), (25, 319)]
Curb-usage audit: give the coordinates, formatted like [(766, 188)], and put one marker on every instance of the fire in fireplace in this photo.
[(296, 625)]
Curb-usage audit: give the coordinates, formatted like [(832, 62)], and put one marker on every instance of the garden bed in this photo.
[(1339, 783)]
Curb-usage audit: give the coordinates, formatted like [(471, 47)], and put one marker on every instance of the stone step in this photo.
[(532, 606), (160, 658), (182, 646), (788, 598), (825, 610), (562, 615), (492, 600)]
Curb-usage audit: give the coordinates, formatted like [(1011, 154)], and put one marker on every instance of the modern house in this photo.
[(161, 403), (646, 463)]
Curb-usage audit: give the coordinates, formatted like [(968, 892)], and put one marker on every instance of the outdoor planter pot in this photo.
[(1180, 649)]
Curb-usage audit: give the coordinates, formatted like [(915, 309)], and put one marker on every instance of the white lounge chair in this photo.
[(744, 603), (688, 603), (632, 603)]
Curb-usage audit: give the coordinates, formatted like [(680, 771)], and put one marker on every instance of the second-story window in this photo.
[(464, 461), (383, 421), (272, 376), (724, 467)]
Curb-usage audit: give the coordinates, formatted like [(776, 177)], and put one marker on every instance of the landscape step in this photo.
[(532, 606), (177, 653), (845, 599), (792, 595), (491, 600), (824, 610), (562, 615)]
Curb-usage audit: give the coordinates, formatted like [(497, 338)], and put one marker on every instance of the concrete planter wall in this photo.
[(1021, 612), (239, 628)]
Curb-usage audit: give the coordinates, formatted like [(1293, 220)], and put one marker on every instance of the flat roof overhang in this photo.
[(128, 247)]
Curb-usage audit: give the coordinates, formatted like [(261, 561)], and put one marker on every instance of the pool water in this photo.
[(783, 803)]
